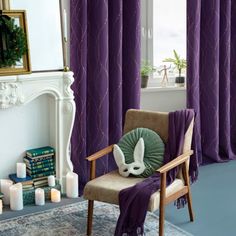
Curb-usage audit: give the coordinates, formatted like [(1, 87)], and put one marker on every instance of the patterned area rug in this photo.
[(71, 220)]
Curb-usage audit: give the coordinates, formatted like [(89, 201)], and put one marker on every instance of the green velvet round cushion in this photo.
[(153, 152)]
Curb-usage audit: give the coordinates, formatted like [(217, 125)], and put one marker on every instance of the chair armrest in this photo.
[(95, 156), (100, 153), (175, 162)]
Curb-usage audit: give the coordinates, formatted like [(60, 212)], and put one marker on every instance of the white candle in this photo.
[(39, 197), (16, 197), (21, 170), (65, 25), (72, 185), (5, 189), (55, 195), (0, 206), (51, 180)]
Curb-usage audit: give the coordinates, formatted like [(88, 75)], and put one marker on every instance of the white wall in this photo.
[(163, 99), (22, 128)]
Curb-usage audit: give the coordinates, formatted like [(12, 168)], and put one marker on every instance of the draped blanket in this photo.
[(134, 200)]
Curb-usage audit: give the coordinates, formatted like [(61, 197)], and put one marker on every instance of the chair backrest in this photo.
[(157, 121)]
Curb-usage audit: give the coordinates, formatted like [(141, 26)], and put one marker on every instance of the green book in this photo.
[(43, 174), (40, 178), (43, 161), (40, 151), (41, 185), (39, 170), (1, 195), (40, 182), (39, 158), (36, 167), (28, 188)]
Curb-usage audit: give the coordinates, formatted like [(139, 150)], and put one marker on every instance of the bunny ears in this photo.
[(137, 167)]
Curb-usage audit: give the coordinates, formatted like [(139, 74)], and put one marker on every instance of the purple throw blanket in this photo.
[(134, 201)]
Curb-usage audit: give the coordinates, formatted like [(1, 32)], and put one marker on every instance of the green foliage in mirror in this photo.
[(13, 43)]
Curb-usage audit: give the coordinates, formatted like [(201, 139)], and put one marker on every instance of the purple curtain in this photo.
[(211, 88), (105, 59)]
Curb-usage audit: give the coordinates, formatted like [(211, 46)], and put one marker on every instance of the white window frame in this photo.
[(146, 29), (147, 42)]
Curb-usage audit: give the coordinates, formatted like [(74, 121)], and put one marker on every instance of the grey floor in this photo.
[(214, 203)]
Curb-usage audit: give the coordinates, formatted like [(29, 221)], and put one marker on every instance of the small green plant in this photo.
[(147, 68), (180, 63)]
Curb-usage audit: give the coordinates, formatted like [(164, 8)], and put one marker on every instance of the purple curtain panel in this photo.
[(105, 59), (211, 87)]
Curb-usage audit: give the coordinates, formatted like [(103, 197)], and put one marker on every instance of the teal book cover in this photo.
[(47, 173), (40, 170), (40, 166), (40, 151), (14, 178), (39, 158)]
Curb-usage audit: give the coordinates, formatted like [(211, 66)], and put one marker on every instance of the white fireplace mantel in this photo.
[(22, 89)]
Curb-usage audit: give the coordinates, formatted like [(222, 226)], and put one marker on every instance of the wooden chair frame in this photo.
[(181, 160)]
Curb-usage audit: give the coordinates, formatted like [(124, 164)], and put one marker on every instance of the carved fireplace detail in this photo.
[(21, 89)]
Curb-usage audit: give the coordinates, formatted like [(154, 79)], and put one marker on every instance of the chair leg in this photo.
[(90, 217), (190, 206), (161, 219), (162, 204), (188, 195)]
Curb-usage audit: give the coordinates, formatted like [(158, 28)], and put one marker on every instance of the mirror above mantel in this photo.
[(44, 33), (14, 50)]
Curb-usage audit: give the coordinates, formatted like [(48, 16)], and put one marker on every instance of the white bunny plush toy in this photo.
[(139, 153), (137, 167)]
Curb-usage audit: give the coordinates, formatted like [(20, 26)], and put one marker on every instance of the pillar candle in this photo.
[(5, 189), (72, 185), (65, 25), (39, 197), (0, 206), (55, 195), (51, 180), (16, 197), (21, 170)]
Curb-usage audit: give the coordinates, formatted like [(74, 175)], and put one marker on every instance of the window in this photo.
[(163, 30)]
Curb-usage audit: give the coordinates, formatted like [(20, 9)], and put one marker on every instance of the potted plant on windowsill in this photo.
[(146, 70), (180, 64)]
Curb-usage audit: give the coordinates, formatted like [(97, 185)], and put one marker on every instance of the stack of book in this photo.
[(29, 196), (27, 183), (40, 163)]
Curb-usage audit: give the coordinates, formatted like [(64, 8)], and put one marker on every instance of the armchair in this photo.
[(106, 188)]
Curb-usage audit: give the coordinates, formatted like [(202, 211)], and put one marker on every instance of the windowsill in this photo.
[(162, 89), (154, 85)]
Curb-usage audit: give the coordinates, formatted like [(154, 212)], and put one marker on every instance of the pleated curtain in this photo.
[(211, 74), (105, 59)]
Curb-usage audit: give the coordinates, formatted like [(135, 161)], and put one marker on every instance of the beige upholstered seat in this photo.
[(106, 188)]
